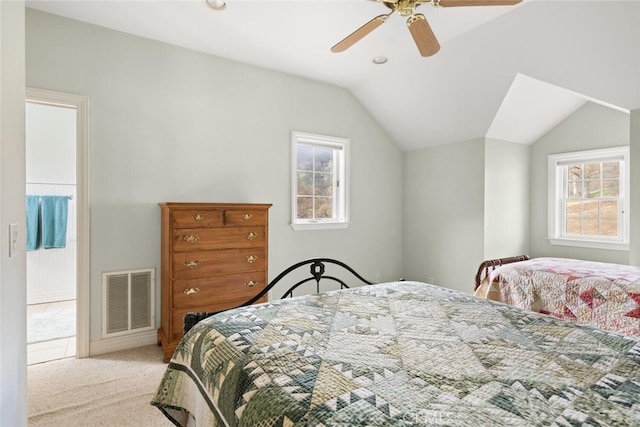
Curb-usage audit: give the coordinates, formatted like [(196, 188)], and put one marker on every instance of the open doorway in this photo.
[(57, 226), (51, 231)]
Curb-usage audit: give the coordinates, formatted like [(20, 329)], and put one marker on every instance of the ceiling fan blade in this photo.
[(423, 35), (358, 34), (454, 3)]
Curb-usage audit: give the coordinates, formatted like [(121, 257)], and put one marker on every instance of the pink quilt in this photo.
[(603, 295)]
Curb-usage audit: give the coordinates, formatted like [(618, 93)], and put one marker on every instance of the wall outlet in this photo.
[(377, 278), (430, 280)]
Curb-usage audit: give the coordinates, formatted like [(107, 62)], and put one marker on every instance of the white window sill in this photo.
[(615, 246), (320, 226)]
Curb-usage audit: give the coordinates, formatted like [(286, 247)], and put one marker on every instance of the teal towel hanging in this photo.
[(33, 222), (54, 210)]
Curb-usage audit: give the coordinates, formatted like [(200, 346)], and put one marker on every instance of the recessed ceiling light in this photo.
[(216, 4), (379, 60)]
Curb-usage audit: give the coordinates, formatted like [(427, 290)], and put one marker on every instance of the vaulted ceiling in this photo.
[(505, 72)]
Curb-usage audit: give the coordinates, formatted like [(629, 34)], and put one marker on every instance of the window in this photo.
[(320, 186), (589, 199)]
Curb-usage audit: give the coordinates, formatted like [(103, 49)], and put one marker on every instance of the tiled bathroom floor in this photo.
[(54, 349)]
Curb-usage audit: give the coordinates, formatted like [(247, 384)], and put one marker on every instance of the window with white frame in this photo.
[(589, 198), (320, 181)]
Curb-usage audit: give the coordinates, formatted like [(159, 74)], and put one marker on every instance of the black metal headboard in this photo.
[(317, 267)]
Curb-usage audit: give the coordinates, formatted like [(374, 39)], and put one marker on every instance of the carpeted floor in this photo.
[(108, 390)]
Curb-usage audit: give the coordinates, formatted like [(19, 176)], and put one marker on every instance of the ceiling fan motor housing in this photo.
[(403, 7)]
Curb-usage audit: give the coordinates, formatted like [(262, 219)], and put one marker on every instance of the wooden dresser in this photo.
[(214, 257)]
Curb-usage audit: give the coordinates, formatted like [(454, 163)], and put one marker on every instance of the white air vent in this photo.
[(127, 302)]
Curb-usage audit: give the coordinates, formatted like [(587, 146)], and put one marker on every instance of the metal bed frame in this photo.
[(317, 267), (483, 269)]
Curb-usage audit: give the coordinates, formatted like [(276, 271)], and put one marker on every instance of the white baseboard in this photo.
[(124, 342)]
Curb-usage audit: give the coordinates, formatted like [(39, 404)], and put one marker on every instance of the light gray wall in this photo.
[(506, 199), (13, 334), (593, 126), (51, 143), (444, 213), (485, 198), (634, 247), (170, 124)]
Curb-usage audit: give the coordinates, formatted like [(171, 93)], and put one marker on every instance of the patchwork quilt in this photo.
[(399, 354), (599, 294)]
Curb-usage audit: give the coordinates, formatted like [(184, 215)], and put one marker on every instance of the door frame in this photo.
[(83, 278)]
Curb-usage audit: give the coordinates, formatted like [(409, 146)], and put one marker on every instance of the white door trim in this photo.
[(81, 104)]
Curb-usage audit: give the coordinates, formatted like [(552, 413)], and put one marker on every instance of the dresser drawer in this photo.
[(197, 218), (234, 217), (177, 316), (192, 265), (196, 239), (213, 290)]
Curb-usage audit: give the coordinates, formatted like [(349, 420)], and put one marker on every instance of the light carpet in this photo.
[(51, 325), (107, 390)]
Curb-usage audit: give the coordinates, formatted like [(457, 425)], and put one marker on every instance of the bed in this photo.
[(599, 294), (398, 354)]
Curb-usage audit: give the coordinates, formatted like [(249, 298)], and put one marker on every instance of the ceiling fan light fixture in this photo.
[(216, 4), (379, 60)]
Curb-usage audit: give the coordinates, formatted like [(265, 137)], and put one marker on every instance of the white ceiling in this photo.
[(505, 72)]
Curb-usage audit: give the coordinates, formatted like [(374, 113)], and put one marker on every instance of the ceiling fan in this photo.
[(418, 26)]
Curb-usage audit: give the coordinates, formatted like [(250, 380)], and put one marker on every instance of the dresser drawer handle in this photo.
[(251, 235), (191, 238), (246, 217), (251, 258), (198, 217), (250, 284), (191, 291), (192, 264)]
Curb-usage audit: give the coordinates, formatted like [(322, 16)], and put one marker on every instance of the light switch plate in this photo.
[(13, 239)]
